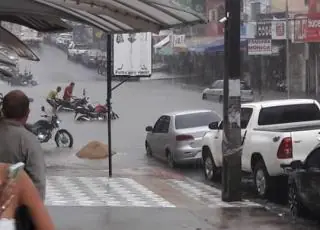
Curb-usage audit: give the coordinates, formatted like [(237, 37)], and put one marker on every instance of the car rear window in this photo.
[(195, 120), (288, 114)]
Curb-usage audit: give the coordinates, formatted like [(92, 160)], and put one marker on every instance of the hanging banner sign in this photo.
[(259, 47), (278, 29), (299, 28), (312, 33), (263, 30)]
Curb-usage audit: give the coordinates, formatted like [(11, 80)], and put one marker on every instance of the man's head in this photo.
[(58, 89), (72, 84), (15, 106)]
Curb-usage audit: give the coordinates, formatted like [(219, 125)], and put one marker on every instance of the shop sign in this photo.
[(312, 33), (259, 47)]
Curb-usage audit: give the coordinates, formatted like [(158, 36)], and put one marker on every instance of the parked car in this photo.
[(304, 185), (215, 92), (63, 40), (273, 133), (176, 137), (90, 58), (75, 51)]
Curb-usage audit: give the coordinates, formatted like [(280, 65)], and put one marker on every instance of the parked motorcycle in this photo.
[(93, 113), (66, 106), (45, 128), (281, 86)]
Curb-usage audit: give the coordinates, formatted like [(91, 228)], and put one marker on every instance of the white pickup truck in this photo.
[(75, 51), (274, 133)]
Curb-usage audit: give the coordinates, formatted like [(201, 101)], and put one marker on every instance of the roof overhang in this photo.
[(111, 16), (12, 42)]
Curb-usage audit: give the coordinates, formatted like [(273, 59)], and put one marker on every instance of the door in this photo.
[(217, 145), (164, 137), (246, 114), (158, 135)]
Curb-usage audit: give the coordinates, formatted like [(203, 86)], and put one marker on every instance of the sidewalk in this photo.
[(119, 218)]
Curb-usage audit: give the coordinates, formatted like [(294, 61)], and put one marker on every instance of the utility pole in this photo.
[(109, 95), (231, 146), (288, 74)]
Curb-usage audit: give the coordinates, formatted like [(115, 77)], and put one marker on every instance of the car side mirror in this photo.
[(296, 164), (216, 125), (43, 109), (149, 128)]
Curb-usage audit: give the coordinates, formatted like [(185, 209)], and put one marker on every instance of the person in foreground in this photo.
[(21, 192), (17, 144)]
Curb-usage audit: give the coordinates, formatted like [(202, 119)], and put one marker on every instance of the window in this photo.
[(194, 120), (288, 114), (245, 117), (220, 12), (212, 15), (162, 125), (255, 10), (244, 86), (217, 85)]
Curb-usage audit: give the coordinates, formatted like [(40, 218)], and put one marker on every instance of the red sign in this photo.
[(312, 33)]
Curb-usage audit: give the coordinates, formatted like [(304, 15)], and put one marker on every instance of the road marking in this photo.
[(206, 194), (100, 191)]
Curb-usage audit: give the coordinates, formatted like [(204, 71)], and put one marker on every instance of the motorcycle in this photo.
[(44, 129), (281, 86), (67, 106), (93, 113)]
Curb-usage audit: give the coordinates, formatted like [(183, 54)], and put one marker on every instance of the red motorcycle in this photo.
[(93, 113)]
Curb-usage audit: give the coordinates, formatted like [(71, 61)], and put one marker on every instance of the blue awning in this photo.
[(216, 46)]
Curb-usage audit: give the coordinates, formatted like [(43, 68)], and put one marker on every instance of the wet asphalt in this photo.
[(138, 104)]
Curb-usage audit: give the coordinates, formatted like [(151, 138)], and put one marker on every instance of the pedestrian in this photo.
[(20, 191), (17, 144)]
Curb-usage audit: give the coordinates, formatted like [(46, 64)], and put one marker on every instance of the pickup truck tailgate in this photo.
[(304, 142)]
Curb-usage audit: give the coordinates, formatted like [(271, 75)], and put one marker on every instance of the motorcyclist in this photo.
[(53, 96), (67, 96)]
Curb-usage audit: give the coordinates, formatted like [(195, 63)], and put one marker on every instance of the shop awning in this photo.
[(111, 16), (165, 50), (215, 46), (162, 43)]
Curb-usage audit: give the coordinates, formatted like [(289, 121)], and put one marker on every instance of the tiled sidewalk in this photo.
[(127, 192)]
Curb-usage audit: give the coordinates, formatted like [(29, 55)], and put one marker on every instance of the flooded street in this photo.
[(144, 193)]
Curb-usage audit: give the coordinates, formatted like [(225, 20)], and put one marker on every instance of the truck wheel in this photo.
[(209, 167), (261, 179)]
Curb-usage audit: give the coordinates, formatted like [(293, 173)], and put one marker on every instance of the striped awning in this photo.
[(111, 16)]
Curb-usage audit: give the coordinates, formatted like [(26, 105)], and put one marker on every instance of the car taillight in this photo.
[(285, 149), (184, 138)]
